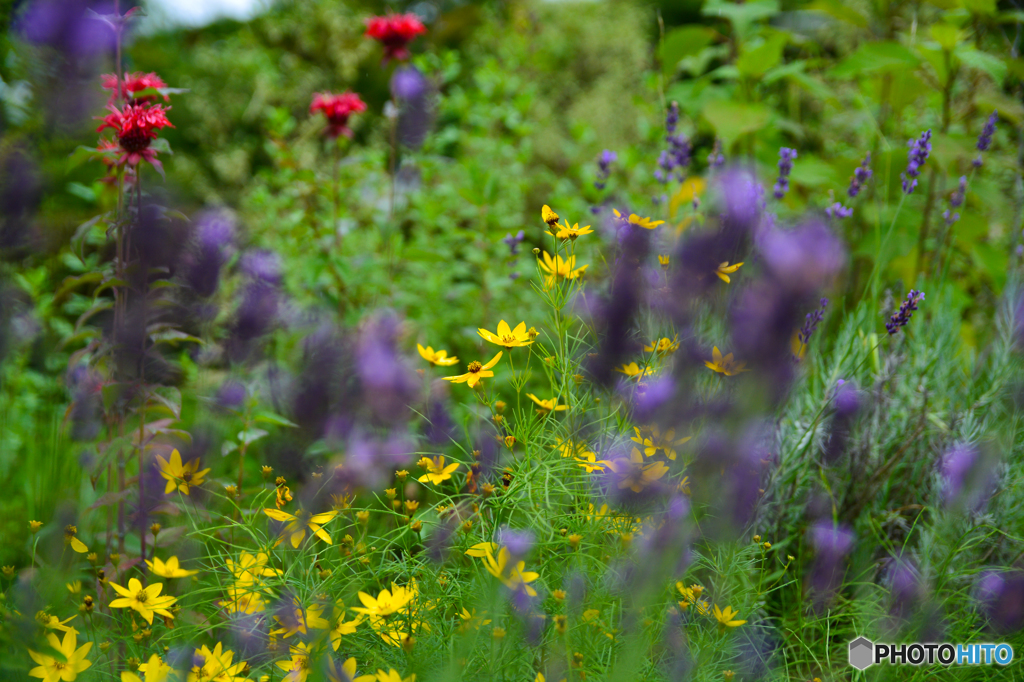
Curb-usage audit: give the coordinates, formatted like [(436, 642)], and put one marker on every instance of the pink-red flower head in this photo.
[(337, 109), (132, 83), (395, 32), (136, 126)]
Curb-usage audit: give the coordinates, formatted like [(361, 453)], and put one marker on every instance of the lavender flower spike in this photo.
[(860, 177), (903, 315), (985, 139), (716, 159), (786, 156), (604, 170), (837, 210), (918, 154)]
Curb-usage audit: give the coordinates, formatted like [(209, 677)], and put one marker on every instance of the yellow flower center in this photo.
[(187, 476), (57, 665), (508, 339), (142, 596), (475, 367)]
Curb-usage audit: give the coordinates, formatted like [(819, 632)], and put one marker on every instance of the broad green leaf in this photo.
[(756, 62), (742, 16), (271, 418), (874, 58), (1009, 108), (227, 447), (983, 7), (841, 11), (983, 61), (683, 42), (946, 35), (732, 119), (251, 435)]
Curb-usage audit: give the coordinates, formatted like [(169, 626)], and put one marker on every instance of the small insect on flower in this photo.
[(727, 618), (545, 407), (71, 660), (145, 600), (724, 270), (298, 523), (507, 337), (725, 365), (476, 371), (170, 569), (634, 219), (179, 476), (437, 471)]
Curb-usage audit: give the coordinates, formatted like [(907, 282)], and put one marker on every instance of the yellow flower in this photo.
[(342, 628), (481, 549), (590, 462), (34, 526), (516, 577), (381, 676), (724, 270), (216, 666), (663, 346), (728, 675), (797, 346), (684, 485), (471, 620), (548, 216), (154, 670), (439, 358), (302, 620), (566, 232), (51, 669), (726, 365), (383, 609), (437, 472), (653, 440), (74, 587), (54, 623), (727, 618), (71, 538), (346, 672), (664, 261), (558, 267), (298, 522), (508, 337), (568, 448), (171, 569), (476, 371), (178, 476), (635, 474), (547, 406), (634, 219), (145, 600), (633, 371), (298, 667), (251, 565)]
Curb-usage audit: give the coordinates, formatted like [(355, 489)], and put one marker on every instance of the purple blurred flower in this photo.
[(860, 177), (673, 160), (1001, 595), (920, 148), (408, 83), (262, 265), (847, 404), (514, 242), (805, 259), (20, 194), (837, 210), (956, 200), (390, 384), (214, 240), (985, 139), (832, 544), (518, 542), (901, 317), (231, 394), (905, 587), (716, 159), (68, 26), (412, 89), (604, 167), (786, 157), (968, 478)]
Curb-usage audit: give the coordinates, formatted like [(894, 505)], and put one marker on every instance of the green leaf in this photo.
[(71, 283), (946, 35), (875, 58), (756, 62), (682, 42), (983, 61), (251, 435), (732, 119), (983, 7), (83, 192), (271, 418), (742, 16), (840, 11), (227, 447)]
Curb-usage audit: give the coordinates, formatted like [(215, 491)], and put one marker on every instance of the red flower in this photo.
[(337, 109), (395, 32), (132, 83), (136, 127)]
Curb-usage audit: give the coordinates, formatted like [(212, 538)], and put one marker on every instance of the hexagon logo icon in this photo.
[(861, 653)]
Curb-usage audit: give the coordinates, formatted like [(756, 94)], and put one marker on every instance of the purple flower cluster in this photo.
[(985, 139), (956, 200), (906, 311), (786, 156), (677, 157), (514, 242), (812, 321), (916, 157), (716, 159), (860, 177), (837, 210), (604, 167)]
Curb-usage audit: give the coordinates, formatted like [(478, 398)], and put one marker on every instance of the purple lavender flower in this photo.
[(916, 157), (985, 139), (262, 265), (786, 157), (412, 90), (716, 159), (231, 394), (1001, 594), (677, 156), (811, 322), (604, 167), (831, 543), (906, 311), (514, 242), (860, 177), (805, 259), (956, 200), (408, 83), (518, 542), (672, 118), (837, 210), (214, 239), (67, 26), (389, 382)]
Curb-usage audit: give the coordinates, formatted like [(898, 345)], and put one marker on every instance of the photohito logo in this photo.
[(864, 653)]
